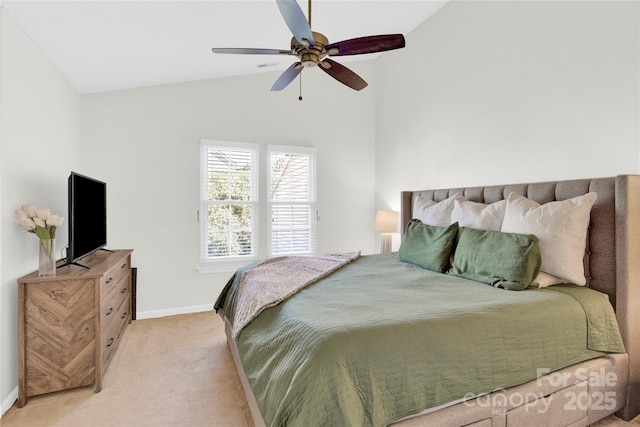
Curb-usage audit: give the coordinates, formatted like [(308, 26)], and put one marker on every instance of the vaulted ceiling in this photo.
[(110, 45)]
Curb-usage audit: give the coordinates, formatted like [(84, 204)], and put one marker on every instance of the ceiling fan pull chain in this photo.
[(300, 97)]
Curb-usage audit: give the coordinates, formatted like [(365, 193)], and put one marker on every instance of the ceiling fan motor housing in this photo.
[(310, 56)]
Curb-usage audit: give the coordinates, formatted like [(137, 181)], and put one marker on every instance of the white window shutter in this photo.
[(292, 201), (229, 200)]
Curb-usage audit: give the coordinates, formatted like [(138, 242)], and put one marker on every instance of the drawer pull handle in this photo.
[(109, 280), (123, 290), (123, 315), (110, 343), (123, 265), (109, 311)]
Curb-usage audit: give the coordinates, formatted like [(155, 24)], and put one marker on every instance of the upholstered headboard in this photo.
[(612, 255)]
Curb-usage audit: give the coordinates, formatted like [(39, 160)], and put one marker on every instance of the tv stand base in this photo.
[(72, 263)]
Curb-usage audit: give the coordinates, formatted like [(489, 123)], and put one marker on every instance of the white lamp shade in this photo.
[(386, 221)]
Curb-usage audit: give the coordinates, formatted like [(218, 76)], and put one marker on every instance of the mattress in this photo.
[(379, 340)]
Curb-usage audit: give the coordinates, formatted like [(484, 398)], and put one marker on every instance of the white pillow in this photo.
[(434, 213), (478, 215), (561, 228)]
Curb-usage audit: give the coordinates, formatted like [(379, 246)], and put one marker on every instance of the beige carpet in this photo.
[(171, 371)]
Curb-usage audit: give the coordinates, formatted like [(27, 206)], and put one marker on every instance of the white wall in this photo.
[(504, 92), (2, 404), (39, 142), (145, 144)]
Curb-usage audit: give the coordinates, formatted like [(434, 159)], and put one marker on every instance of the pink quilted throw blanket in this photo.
[(276, 279)]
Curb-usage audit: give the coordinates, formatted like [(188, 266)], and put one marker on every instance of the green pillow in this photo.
[(428, 246), (504, 260)]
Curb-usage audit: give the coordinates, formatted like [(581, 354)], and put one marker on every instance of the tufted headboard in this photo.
[(612, 255)]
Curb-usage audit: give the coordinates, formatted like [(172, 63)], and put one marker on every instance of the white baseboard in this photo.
[(9, 401), (173, 311), (13, 396)]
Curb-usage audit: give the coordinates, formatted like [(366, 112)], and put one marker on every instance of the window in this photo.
[(230, 210), (228, 214), (292, 200)]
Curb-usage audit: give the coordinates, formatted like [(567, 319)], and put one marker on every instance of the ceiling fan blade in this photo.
[(342, 74), (368, 44), (287, 77), (251, 51), (296, 21)]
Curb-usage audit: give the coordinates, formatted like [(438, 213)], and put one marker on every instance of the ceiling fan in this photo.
[(313, 49)]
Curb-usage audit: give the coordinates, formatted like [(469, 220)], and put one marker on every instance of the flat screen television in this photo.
[(87, 216)]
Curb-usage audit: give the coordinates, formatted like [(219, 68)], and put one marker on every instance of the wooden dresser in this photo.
[(69, 326)]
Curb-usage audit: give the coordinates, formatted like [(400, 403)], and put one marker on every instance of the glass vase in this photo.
[(47, 255)]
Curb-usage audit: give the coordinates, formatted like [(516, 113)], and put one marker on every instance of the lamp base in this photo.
[(385, 243)]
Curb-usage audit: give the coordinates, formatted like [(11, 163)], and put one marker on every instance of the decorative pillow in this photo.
[(504, 260), (478, 215), (434, 213), (428, 246), (561, 227)]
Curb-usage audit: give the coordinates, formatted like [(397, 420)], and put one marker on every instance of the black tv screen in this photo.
[(87, 216)]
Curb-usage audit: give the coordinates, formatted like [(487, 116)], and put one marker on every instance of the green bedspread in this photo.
[(380, 339)]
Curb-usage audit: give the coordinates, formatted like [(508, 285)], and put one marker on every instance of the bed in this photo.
[(307, 359)]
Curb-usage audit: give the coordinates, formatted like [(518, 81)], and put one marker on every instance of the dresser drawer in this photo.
[(59, 317), (112, 332), (114, 275), (110, 302)]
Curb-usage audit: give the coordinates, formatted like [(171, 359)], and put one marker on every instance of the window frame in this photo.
[(228, 263), (312, 203)]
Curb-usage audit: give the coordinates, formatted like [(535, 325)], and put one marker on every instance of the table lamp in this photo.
[(386, 223)]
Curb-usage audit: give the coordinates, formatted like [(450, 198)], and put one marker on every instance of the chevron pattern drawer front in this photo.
[(60, 329), (70, 325)]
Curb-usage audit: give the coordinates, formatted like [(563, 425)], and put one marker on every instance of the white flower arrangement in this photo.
[(41, 222)]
